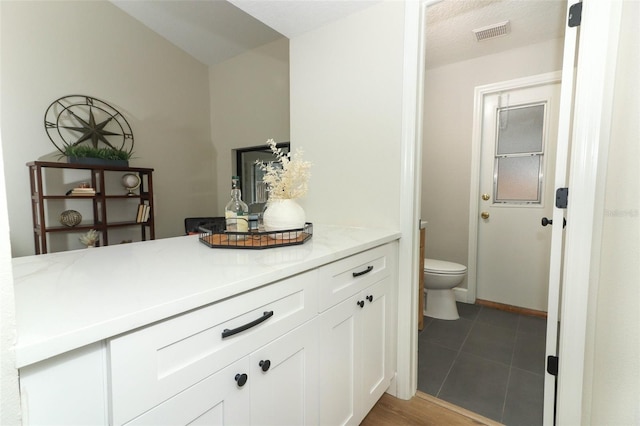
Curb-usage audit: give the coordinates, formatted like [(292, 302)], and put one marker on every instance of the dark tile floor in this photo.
[(489, 361)]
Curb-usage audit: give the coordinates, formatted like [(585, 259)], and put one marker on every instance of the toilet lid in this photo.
[(443, 267)]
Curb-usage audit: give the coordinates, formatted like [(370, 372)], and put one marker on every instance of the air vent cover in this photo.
[(492, 31)]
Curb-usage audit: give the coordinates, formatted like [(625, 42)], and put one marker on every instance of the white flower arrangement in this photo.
[(90, 238), (288, 176)]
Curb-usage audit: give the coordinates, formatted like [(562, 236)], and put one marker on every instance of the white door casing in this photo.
[(595, 75), (513, 247)]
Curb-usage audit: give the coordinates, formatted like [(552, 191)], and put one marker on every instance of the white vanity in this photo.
[(173, 332)]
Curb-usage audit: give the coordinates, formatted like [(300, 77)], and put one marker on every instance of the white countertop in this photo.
[(70, 299)]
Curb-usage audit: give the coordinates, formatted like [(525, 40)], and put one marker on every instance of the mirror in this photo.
[(206, 75), (250, 173)]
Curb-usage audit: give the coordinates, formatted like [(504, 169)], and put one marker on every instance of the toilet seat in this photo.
[(442, 267)]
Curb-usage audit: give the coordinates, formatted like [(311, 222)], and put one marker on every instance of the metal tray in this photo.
[(256, 240)]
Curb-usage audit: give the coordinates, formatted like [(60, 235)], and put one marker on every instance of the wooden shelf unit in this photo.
[(99, 203)]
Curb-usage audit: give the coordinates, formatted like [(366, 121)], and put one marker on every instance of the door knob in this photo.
[(484, 215), (486, 197), (546, 221)]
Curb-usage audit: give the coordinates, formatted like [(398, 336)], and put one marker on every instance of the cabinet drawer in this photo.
[(150, 365), (344, 278)]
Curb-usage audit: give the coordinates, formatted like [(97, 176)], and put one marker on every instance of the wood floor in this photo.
[(422, 409)]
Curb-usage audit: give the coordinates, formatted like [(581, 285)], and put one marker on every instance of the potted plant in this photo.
[(86, 154)]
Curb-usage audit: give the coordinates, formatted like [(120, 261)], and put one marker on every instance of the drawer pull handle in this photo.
[(241, 379), (369, 298), (265, 365), (360, 303), (366, 271), (226, 332)]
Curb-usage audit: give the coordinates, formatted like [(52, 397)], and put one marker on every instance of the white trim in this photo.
[(476, 140), (410, 190), (593, 98)]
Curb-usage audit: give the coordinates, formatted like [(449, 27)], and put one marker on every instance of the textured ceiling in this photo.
[(215, 30), (450, 23)]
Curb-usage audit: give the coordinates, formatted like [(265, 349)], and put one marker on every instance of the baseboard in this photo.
[(511, 308), (461, 296)]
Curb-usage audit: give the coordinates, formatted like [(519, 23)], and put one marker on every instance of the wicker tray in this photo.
[(257, 240)]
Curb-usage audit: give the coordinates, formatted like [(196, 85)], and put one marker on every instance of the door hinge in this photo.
[(562, 198), (575, 15), (552, 365)]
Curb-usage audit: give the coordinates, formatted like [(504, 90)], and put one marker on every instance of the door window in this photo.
[(518, 167)]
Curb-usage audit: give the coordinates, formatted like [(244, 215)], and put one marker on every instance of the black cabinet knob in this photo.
[(370, 298), (265, 365), (360, 303), (241, 379)]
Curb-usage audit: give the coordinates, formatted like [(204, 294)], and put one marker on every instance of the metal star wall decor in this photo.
[(75, 119)]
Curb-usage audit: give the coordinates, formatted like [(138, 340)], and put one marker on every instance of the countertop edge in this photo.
[(50, 346)]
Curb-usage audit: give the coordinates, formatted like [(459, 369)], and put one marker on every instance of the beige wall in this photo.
[(249, 97), (448, 121), (346, 110), (53, 49)]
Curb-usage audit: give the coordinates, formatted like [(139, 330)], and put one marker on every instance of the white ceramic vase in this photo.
[(283, 214)]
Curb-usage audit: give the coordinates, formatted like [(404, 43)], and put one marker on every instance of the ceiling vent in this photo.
[(492, 31)]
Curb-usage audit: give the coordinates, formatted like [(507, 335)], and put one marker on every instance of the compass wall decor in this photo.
[(84, 126)]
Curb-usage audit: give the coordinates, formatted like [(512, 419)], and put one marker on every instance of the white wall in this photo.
[(346, 99), (53, 49), (613, 395), (448, 121), (249, 97), (9, 395)]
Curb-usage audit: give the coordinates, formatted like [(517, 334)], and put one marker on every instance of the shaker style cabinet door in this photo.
[(337, 363), (284, 379), (354, 366), (221, 399), (375, 367)]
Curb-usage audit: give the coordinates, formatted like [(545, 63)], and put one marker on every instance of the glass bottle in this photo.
[(236, 212)]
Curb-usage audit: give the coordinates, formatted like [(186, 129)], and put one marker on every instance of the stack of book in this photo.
[(82, 191), (143, 213)]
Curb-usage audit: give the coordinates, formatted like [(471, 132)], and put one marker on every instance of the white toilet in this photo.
[(440, 277)]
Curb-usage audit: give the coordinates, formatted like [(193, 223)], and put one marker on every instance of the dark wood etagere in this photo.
[(103, 202)]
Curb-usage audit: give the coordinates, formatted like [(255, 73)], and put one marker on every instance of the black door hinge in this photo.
[(562, 198), (575, 15), (552, 365)]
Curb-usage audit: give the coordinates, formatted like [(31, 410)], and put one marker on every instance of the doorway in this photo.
[(447, 158)]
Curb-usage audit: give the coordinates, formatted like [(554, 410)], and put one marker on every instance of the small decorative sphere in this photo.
[(70, 218)]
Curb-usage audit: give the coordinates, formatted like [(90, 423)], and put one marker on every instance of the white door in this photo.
[(519, 128)]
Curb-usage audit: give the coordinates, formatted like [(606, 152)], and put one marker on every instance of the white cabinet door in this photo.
[(221, 399), (372, 356), (284, 379), (354, 365), (337, 363)]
